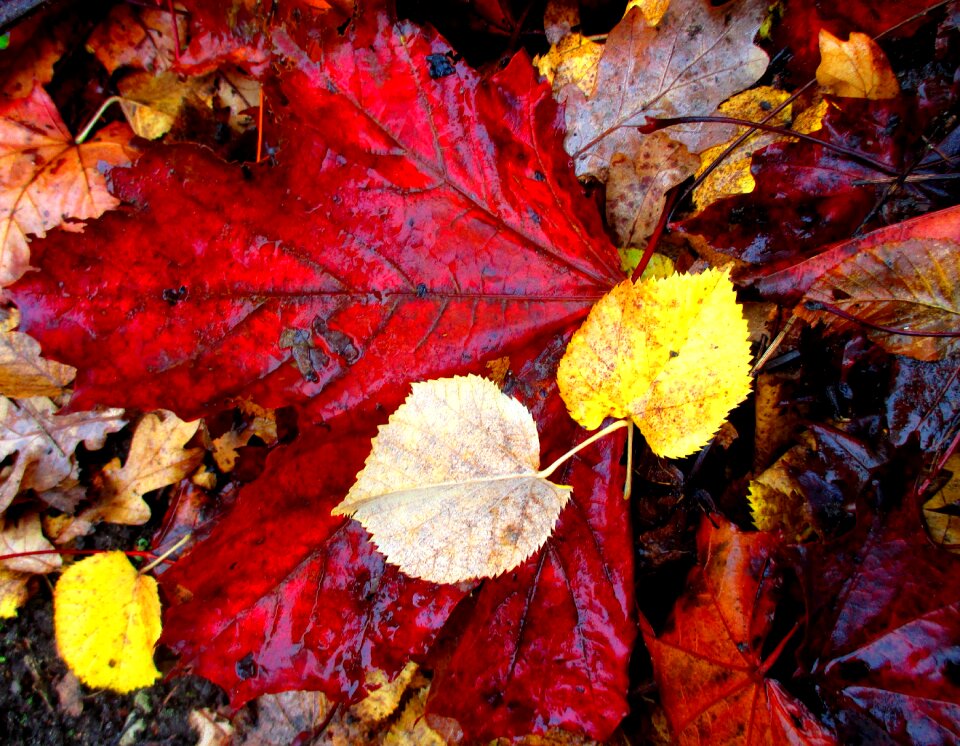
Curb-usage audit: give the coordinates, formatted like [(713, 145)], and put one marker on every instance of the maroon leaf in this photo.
[(806, 195), (925, 400), (547, 645), (885, 632), (412, 227)]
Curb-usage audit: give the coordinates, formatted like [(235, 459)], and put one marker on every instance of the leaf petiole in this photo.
[(544, 473)]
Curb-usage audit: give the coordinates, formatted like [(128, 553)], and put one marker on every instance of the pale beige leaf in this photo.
[(284, 716), (44, 442), (157, 458), (451, 489), (696, 57), (46, 180), (26, 535), (24, 373), (211, 729)]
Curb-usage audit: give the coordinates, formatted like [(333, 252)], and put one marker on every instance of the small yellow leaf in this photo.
[(777, 500), (857, 68), (14, 591), (671, 354), (107, 621), (573, 59), (451, 489)]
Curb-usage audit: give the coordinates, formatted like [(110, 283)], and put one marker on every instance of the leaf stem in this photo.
[(544, 473), (36, 552), (628, 485), (162, 557), (654, 124), (815, 305), (85, 132)]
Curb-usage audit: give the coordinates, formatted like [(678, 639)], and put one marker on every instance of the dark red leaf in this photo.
[(547, 645), (885, 631), (925, 401), (789, 285), (411, 228), (708, 661), (285, 596), (806, 195)]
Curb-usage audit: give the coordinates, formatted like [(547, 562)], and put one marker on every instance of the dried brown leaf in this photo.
[(26, 535), (24, 373)]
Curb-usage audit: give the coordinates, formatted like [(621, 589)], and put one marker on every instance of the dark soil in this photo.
[(33, 712)]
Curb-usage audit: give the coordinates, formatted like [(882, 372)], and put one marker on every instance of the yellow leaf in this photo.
[(574, 60), (671, 354), (652, 10), (940, 511), (732, 176), (412, 728), (451, 489), (14, 591), (857, 68), (107, 621), (778, 501)]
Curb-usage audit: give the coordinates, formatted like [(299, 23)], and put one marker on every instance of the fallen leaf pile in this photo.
[(339, 301)]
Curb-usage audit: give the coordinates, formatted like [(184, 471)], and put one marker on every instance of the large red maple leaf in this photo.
[(417, 220)]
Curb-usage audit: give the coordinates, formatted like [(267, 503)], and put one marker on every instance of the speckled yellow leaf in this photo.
[(942, 511), (107, 621), (856, 68), (451, 489), (671, 354)]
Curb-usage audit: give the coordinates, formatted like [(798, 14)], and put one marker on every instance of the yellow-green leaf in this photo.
[(107, 621), (672, 354), (451, 489)]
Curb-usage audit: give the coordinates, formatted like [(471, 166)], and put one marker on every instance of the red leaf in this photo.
[(885, 631), (547, 645), (925, 400), (412, 227), (806, 195), (708, 662), (285, 596), (789, 285)]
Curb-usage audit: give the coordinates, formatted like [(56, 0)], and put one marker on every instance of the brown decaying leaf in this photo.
[(451, 489), (211, 729), (44, 442), (24, 373), (34, 49), (698, 56), (856, 68), (157, 458), (262, 424), (46, 180), (26, 535), (912, 285)]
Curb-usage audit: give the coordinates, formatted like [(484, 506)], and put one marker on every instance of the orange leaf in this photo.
[(857, 68)]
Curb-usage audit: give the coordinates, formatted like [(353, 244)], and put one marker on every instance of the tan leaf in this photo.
[(152, 103), (637, 186), (141, 38), (942, 511), (696, 57), (445, 507), (45, 179), (856, 68), (26, 535), (157, 458), (282, 717), (211, 729), (571, 61), (44, 442), (911, 285), (260, 423), (23, 373)]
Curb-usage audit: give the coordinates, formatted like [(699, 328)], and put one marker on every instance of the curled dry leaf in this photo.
[(24, 373), (856, 68), (23, 535), (911, 285), (44, 442), (46, 180), (671, 354), (451, 490), (107, 620), (157, 458)]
